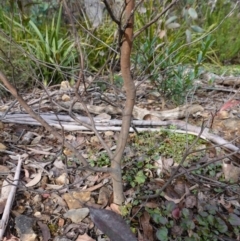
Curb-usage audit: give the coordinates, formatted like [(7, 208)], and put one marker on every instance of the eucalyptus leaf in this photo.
[(192, 12), (173, 25), (111, 224), (197, 29), (171, 19), (188, 36)]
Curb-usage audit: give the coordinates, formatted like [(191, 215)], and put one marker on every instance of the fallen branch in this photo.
[(7, 209), (138, 113), (115, 125), (223, 80)]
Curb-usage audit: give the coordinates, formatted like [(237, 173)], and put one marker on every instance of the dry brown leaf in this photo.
[(179, 187), (102, 116), (162, 34), (65, 85), (53, 186), (94, 139), (70, 137), (190, 201), (226, 204), (111, 224), (59, 164), (26, 139), (4, 169), (11, 238), (146, 226), (84, 237), (67, 152), (61, 222), (82, 196), (108, 133), (159, 165), (45, 231), (104, 195), (36, 140), (62, 179), (65, 97), (151, 204), (231, 173), (2, 147), (223, 115), (168, 163), (57, 199), (76, 199), (229, 104), (1, 125), (35, 180), (6, 189), (90, 189), (115, 208)]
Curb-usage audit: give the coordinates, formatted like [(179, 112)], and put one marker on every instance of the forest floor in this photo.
[(200, 202)]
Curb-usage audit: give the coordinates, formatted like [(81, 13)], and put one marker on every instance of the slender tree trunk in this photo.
[(130, 101)]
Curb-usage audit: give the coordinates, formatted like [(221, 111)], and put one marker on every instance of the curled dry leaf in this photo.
[(11, 238), (4, 169), (102, 116), (65, 97), (45, 231), (112, 225), (190, 201), (229, 104), (168, 162), (59, 164), (231, 173), (146, 226), (140, 236), (36, 140), (26, 139), (76, 199), (84, 237), (115, 208), (159, 165), (62, 179), (179, 187), (35, 180), (2, 147), (225, 204), (104, 195), (65, 86)]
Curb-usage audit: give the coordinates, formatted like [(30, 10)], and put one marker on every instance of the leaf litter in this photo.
[(202, 198)]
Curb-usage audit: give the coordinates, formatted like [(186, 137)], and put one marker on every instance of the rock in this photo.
[(24, 228), (77, 215)]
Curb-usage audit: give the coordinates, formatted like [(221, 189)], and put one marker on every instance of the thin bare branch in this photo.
[(155, 19), (37, 117), (109, 9)]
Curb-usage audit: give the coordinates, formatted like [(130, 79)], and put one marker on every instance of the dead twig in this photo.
[(7, 209)]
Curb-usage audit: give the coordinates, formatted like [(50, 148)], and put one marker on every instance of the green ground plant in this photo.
[(171, 65), (227, 43), (54, 50), (204, 225)]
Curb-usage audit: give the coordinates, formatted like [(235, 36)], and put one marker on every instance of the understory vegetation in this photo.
[(39, 50), (171, 52)]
